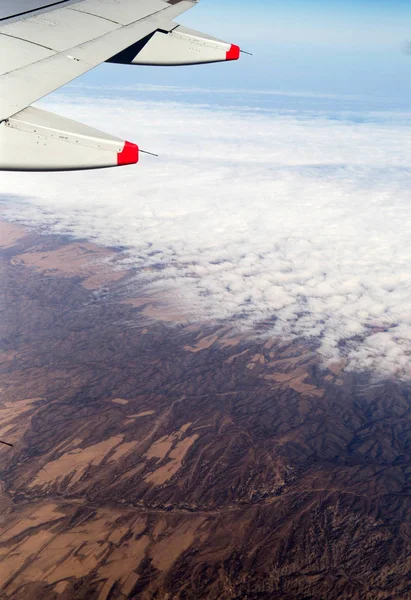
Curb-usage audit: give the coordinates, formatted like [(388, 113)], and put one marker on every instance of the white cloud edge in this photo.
[(306, 220)]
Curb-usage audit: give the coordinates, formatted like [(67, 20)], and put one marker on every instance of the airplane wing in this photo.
[(45, 44)]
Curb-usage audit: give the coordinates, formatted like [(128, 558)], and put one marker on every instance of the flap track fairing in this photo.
[(37, 140), (180, 46)]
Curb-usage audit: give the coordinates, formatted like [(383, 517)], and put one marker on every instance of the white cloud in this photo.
[(141, 88), (305, 221)]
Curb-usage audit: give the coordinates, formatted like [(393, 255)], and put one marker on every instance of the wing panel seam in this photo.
[(84, 12), (156, 12), (15, 37)]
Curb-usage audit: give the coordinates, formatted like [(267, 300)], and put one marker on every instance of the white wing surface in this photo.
[(44, 45)]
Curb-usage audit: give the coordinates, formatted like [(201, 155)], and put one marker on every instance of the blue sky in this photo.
[(344, 47)]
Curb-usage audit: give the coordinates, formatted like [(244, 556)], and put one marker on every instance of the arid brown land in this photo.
[(167, 460)]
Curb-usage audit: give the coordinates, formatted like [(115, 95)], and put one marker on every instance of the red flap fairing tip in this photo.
[(233, 53), (128, 155)]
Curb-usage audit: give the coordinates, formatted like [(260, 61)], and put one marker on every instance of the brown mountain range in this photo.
[(156, 458)]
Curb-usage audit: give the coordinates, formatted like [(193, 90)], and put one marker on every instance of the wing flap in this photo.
[(46, 29), (26, 85), (31, 82), (122, 13), (22, 9), (15, 53)]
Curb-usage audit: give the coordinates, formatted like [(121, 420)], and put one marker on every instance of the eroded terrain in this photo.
[(171, 460)]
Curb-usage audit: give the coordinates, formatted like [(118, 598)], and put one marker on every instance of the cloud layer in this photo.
[(252, 216)]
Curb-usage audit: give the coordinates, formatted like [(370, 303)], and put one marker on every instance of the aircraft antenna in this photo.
[(150, 153)]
